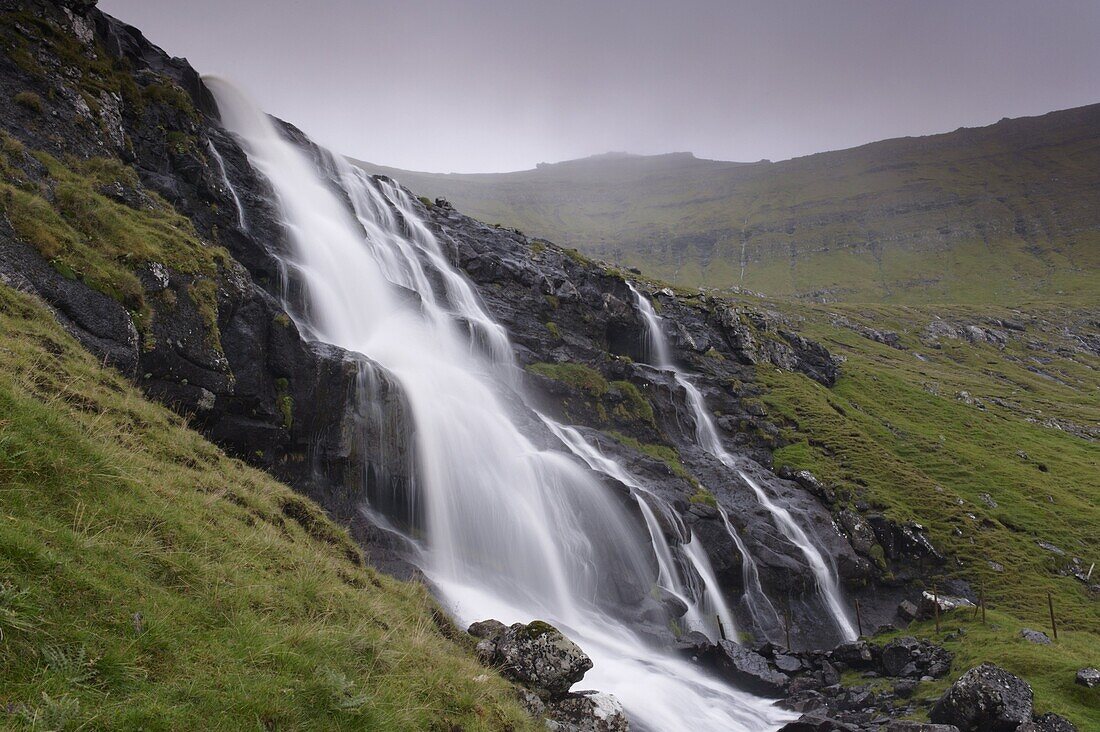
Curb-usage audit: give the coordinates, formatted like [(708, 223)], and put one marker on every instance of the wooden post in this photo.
[(787, 628), (983, 607), (859, 620), (721, 628), (1053, 625), (936, 602)]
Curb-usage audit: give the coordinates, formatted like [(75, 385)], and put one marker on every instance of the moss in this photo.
[(554, 329), (427, 202), (664, 453), (284, 401), (167, 93), (30, 100), (282, 320), (576, 256), (634, 407), (204, 293), (712, 352), (98, 240), (538, 246), (552, 301), (705, 497), (538, 628), (579, 376)]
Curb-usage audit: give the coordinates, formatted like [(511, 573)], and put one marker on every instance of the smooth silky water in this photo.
[(509, 530), (706, 435)]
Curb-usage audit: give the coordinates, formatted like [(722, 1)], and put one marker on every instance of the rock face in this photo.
[(1049, 722), (985, 698), (546, 664)]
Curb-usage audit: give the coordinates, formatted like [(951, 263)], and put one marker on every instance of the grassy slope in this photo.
[(894, 433), (249, 617), (998, 214)]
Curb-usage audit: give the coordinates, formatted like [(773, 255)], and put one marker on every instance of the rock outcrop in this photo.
[(985, 698), (546, 664)]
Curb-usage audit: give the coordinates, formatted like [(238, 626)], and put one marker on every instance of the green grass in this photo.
[(664, 453), (579, 376), (1049, 669), (87, 236), (150, 582)]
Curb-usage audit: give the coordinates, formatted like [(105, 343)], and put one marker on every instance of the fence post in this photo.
[(936, 602), (859, 620), (787, 628), (721, 628), (1053, 625)]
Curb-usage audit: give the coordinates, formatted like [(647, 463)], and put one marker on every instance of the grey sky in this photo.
[(493, 85)]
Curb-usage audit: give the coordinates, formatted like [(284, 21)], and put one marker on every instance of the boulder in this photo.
[(586, 711), (816, 722), (1049, 722), (749, 670), (905, 725), (1035, 636), (536, 655), (911, 658), (858, 655), (985, 698), (1088, 677)]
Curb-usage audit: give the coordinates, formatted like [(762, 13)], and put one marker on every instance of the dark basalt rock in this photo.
[(908, 657), (907, 726), (817, 722), (587, 711), (749, 670), (985, 698), (1088, 677), (1049, 722)]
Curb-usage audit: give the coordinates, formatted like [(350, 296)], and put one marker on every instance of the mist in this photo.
[(496, 85)]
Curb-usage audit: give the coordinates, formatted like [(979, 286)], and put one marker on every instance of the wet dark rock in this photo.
[(904, 725), (985, 698), (858, 655), (749, 670), (908, 610), (817, 722), (1049, 722), (911, 658), (536, 655)]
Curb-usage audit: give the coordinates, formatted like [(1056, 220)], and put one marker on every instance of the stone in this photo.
[(787, 664), (907, 610), (536, 655), (1088, 677), (1035, 636), (905, 725), (1049, 722), (857, 654), (586, 711), (749, 670), (908, 657), (817, 721), (985, 698)]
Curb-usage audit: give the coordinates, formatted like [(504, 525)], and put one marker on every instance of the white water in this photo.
[(241, 223), (703, 603), (510, 531), (707, 437)]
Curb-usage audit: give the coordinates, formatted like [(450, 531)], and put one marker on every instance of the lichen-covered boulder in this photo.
[(907, 657), (587, 711), (985, 698), (1049, 722), (536, 655)]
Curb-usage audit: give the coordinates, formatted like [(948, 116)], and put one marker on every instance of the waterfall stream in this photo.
[(707, 437), (241, 223), (509, 530)]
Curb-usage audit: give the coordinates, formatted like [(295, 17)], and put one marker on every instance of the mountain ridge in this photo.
[(999, 214)]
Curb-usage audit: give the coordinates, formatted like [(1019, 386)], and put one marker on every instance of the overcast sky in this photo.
[(494, 85)]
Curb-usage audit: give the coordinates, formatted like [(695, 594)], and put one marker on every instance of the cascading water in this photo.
[(509, 531), (241, 223), (707, 437), (704, 602)]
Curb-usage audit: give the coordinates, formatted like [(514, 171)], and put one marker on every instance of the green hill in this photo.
[(147, 581), (998, 214)]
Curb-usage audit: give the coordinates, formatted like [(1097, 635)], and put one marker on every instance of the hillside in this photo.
[(150, 582), (999, 214)]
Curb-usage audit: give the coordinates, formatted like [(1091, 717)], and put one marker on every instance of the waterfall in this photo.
[(706, 435), (241, 223), (704, 602), (508, 530)]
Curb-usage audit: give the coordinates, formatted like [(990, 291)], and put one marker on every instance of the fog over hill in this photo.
[(1004, 213)]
